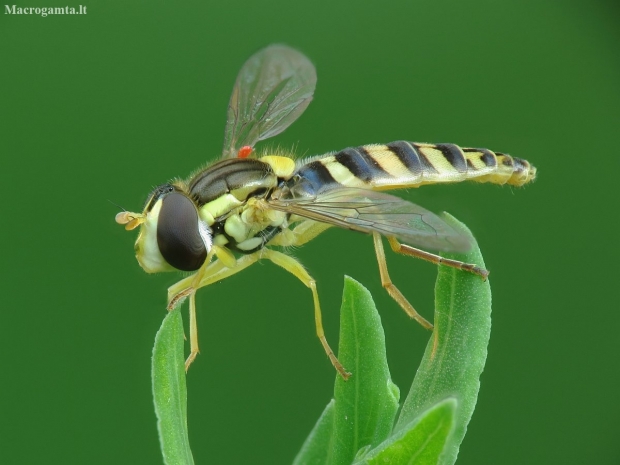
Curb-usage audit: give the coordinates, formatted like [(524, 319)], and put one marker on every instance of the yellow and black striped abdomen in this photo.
[(404, 164)]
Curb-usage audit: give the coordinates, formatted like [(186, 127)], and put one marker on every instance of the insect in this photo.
[(232, 213)]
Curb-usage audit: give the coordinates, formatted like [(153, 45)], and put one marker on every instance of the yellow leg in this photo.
[(182, 289), (217, 271), (187, 287), (436, 259), (193, 332), (386, 282), (294, 267), (177, 292)]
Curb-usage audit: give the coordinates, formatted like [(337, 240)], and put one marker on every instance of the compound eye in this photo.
[(179, 233)]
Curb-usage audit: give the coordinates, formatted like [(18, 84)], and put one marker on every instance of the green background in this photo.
[(107, 105)]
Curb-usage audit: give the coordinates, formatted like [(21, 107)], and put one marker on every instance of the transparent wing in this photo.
[(368, 211), (272, 90)]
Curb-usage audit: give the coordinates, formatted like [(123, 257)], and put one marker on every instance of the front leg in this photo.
[(213, 272)]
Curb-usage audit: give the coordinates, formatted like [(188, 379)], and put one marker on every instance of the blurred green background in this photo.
[(106, 105)]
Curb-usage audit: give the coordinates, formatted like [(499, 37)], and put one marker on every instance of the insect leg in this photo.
[(182, 289), (436, 259), (177, 292), (294, 267), (212, 273), (193, 332), (391, 289), (193, 324)]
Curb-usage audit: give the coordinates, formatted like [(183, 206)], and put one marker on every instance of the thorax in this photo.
[(230, 197)]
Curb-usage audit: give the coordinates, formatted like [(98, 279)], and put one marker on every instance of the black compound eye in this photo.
[(178, 233)]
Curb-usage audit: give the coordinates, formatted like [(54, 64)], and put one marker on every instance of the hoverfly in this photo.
[(233, 213)]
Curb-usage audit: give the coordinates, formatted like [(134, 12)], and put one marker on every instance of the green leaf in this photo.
[(364, 408), (420, 443), (316, 447), (169, 391), (367, 403), (457, 351)]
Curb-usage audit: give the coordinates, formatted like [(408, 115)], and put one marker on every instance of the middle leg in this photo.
[(294, 267)]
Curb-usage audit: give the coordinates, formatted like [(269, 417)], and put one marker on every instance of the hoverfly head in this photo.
[(172, 235)]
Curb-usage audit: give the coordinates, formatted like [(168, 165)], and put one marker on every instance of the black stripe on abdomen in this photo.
[(361, 164), (318, 176), (407, 155), (453, 154), (484, 155), (426, 165), (506, 159)]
